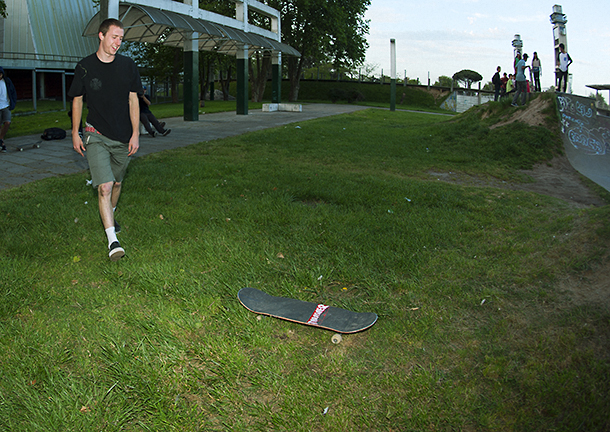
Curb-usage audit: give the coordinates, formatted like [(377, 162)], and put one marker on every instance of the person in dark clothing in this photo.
[(8, 100), (147, 117), (497, 82)]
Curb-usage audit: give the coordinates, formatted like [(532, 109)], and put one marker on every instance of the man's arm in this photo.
[(77, 113), (134, 115)]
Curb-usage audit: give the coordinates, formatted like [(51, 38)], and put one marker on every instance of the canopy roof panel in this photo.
[(152, 25), (599, 86)]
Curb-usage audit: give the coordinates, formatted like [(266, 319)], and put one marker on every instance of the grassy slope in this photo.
[(473, 333)]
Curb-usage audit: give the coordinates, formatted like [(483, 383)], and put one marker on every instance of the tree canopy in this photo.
[(444, 81), (467, 77), (322, 31)]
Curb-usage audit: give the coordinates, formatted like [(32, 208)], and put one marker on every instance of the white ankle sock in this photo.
[(111, 234)]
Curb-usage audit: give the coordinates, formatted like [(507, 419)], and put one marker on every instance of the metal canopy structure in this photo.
[(152, 25), (599, 86)]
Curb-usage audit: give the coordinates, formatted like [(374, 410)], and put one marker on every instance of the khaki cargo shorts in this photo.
[(108, 159)]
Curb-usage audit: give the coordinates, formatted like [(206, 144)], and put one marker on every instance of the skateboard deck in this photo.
[(303, 312), (25, 146)]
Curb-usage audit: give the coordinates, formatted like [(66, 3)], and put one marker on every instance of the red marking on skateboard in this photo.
[(313, 319)]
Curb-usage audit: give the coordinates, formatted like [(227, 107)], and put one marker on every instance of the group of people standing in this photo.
[(520, 85)]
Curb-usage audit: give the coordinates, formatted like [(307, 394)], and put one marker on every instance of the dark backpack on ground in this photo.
[(53, 134)]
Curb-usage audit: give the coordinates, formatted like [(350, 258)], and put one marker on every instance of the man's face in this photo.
[(112, 40)]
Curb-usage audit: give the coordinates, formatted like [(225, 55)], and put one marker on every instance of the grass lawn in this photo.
[(474, 332)]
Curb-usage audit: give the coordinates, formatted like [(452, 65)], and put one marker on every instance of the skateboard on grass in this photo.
[(308, 313)]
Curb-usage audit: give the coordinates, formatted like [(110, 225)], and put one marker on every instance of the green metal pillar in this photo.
[(242, 80), (191, 79), (392, 75), (276, 77)]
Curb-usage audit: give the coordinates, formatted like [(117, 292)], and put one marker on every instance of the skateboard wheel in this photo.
[(36, 145), (20, 148), (337, 338)]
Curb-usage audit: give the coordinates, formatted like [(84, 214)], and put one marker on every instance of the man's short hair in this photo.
[(107, 23), (562, 46)]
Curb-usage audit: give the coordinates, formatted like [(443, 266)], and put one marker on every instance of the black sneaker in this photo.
[(116, 251), (153, 134), (3, 148), (117, 227), (162, 125), (166, 132)]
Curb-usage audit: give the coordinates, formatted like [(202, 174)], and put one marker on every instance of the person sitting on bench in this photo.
[(147, 117)]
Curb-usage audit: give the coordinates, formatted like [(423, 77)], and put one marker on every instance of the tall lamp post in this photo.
[(517, 47), (392, 75), (560, 36)]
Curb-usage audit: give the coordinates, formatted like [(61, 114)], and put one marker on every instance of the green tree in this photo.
[(322, 31), (160, 62), (599, 99), (467, 77), (3, 13), (444, 81)]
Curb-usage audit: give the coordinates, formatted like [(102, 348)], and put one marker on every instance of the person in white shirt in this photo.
[(8, 100), (563, 61)]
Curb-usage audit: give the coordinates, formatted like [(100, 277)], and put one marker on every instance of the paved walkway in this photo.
[(58, 157)]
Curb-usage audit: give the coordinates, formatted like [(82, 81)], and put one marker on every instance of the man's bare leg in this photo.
[(108, 196), (104, 194), (116, 192)]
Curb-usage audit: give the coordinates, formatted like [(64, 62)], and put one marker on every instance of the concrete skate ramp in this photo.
[(586, 137)]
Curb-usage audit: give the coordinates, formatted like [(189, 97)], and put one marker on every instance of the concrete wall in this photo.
[(459, 103)]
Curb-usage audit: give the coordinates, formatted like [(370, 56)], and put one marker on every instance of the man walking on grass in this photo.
[(111, 83), (521, 81)]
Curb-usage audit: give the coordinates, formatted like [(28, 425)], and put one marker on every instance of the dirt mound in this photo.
[(532, 114), (556, 178)]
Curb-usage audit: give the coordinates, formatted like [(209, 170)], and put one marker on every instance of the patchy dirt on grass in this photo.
[(556, 178), (531, 115)]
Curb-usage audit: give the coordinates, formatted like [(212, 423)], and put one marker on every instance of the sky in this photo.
[(442, 37)]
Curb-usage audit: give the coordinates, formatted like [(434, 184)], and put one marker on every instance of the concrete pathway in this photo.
[(55, 158)]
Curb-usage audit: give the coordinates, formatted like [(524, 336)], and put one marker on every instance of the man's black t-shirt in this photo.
[(106, 87)]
